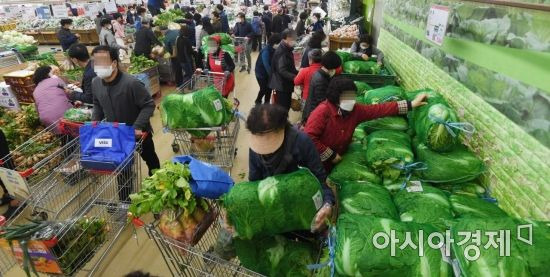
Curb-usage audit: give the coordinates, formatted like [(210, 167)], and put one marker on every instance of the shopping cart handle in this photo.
[(27, 172)]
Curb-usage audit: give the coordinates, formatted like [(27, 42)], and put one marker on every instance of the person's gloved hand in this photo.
[(321, 217)]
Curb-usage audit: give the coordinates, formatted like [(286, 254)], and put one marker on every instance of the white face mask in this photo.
[(332, 72), (363, 46), (276, 46), (347, 105), (212, 50), (103, 72), (314, 20)]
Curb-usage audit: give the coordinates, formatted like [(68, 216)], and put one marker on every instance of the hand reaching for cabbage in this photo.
[(419, 100), (321, 217)]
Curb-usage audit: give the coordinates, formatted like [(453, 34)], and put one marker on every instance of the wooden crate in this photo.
[(21, 84), (340, 43), (88, 37)]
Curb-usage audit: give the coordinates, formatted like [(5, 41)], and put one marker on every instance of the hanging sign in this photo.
[(59, 11), (437, 23), (90, 10), (44, 12), (111, 7)]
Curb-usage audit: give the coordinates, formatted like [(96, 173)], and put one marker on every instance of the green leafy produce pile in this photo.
[(168, 16), (276, 256), (430, 205), (78, 115), (396, 123), (387, 150), (200, 109), (344, 56), (44, 59), (362, 87), (364, 198), (383, 95), (427, 122), (457, 166), (472, 206), (74, 74), (357, 256), (20, 126), (361, 67), (139, 64), (468, 188), (353, 167), (272, 206), (73, 241)]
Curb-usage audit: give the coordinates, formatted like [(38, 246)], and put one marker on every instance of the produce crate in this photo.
[(21, 84), (375, 80), (165, 71), (88, 37), (151, 79), (340, 43)]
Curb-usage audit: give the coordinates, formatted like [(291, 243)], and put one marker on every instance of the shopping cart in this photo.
[(217, 148), (91, 205), (297, 53), (241, 46), (185, 260), (35, 161), (71, 128)]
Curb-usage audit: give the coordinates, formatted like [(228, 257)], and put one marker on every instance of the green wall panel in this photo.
[(518, 172)]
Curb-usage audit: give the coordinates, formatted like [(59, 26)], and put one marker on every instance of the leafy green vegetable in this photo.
[(362, 87), (364, 198), (472, 206), (361, 67), (457, 166), (427, 206), (74, 74), (427, 121), (356, 254), (344, 56), (536, 255), (468, 188), (78, 115), (276, 256), (353, 167), (383, 94), (387, 151), (396, 123), (168, 16), (140, 63), (275, 205)]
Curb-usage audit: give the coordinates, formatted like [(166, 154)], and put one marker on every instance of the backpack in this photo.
[(257, 25)]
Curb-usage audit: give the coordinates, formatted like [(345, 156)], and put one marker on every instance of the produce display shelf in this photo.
[(336, 43), (375, 80)]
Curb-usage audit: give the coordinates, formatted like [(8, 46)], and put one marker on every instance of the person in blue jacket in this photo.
[(141, 14), (155, 6), (131, 15), (317, 24), (224, 20), (263, 69), (243, 28), (65, 36)]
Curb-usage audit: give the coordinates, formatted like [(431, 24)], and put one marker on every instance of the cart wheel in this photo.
[(175, 147)]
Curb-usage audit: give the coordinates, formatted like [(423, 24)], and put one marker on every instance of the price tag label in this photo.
[(318, 200), (414, 186), (217, 105), (111, 7), (59, 11), (15, 184), (90, 10), (436, 28)]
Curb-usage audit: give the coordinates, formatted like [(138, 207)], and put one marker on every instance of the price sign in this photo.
[(436, 28), (7, 98), (186, 3), (59, 11), (44, 12), (111, 7), (217, 2), (90, 10), (15, 184), (104, 1)]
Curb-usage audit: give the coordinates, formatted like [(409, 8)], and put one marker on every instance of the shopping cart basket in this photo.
[(185, 260), (241, 44), (217, 148), (71, 128), (35, 158), (92, 206)]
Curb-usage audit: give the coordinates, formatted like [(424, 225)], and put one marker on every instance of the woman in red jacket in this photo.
[(332, 123)]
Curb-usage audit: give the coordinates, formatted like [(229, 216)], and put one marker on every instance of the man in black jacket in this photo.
[(244, 29), (78, 53), (65, 36), (283, 69), (319, 82), (267, 18), (145, 39), (278, 24)]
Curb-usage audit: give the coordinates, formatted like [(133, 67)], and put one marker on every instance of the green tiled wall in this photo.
[(518, 173)]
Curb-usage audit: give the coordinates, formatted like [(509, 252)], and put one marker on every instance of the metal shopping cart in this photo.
[(186, 260), (91, 206), (241, 46), (219, 146)]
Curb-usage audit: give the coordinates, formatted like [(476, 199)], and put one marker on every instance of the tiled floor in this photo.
[(134, 251)]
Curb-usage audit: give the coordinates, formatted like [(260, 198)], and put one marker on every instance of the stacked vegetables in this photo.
[(18, 127), (22, 43), (138, 64), (79, 23), (346, 32), (184, 217), (165, 18)]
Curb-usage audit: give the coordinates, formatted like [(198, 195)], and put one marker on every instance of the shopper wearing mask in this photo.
[(131, 15), (191, 27), (145, 40), (267, 19), (332, 123), (363, 49), (317, 24), (283, 69), (244, 29), (78, 53), (223, 18), (263, 69), (278, 23), (319, 83), (119, 97), (65, 36), (106, 36), (49, 95), (304, 76), (220, 61)]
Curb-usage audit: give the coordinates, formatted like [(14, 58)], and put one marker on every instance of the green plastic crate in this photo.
[(375, 81)]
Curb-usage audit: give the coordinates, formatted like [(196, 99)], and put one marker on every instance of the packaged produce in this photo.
[(361, 67), (275, 205), (356, 254), (78, 115), (430, 205), (472, 206), (203, 108), (468, 188), (364, 198), (457, 166), (383, 95), (353, 167), (362, 87), (276, 256), (79, 23), (388, 152), (344, 56), (396, 123)]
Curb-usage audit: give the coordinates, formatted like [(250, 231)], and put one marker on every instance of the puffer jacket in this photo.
[(317, 92), (283, 69)]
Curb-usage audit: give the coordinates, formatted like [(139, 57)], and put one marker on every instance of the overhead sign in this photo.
[(44, 12), (90, 10), (59, 11), (436, 28), (111, 7)]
